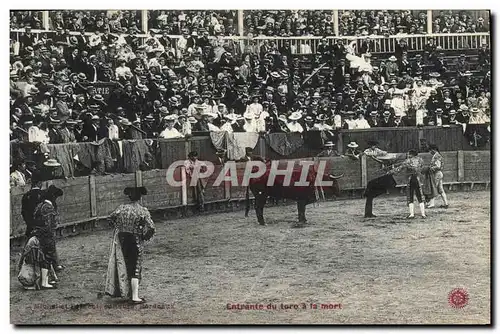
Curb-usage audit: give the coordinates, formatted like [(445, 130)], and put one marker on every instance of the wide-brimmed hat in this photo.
[(81, 76), (192, 120), (295, 116), (173, 100), (170, 118), (387, 113), (439, 111), (329, 144), (209, 114), (464, 107), (52, 163), (95, 118), (98, 98), (352, 145), (321, 117), (388, 102), (452, 112), (143, 88), (393, 58), (475, 110)]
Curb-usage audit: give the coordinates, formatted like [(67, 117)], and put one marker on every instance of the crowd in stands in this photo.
[(287, 23), (282, 23), (66, 88), (393, 22), (205, 85)]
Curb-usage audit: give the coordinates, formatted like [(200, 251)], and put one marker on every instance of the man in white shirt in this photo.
[(361, 122), (350, 122), (170, 132), (17, 177), (112, 130)]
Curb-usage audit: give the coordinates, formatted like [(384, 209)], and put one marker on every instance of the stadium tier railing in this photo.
[(304, 45), (87, 201)]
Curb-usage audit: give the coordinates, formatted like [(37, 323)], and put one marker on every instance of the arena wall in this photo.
[(92, 198)]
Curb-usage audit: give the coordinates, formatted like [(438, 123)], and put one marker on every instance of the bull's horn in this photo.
[(334, 177)]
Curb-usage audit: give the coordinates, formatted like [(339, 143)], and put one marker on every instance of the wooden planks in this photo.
[(87, 197), (109, 192)]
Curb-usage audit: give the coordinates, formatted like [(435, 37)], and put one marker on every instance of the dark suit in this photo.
[(28, 204), (90, 131)]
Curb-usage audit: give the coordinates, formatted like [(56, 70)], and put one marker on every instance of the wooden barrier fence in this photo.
[(93, 198)]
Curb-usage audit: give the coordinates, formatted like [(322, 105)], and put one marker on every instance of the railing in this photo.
[(309, 44), (167, 151)]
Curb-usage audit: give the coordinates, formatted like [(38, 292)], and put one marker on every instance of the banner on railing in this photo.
[(104, 88)]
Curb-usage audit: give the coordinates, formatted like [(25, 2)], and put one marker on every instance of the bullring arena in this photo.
[(104, 103), (199, 268)]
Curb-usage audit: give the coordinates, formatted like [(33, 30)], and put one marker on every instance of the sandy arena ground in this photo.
[(381, 271)]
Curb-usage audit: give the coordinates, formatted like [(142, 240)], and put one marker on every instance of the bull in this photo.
[(304, 195)]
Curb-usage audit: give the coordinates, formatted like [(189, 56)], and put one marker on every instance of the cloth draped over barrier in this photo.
[(134, 152), (235, 143), (285, 143)]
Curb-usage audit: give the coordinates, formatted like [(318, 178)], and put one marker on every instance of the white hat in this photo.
[(192, 120), (448, 101), (282, 117), (316, 95), (210, 114), (352, 145), (52, 163), (392, 58), (387, 102), (329, 144), (171, 117), (95, 117), (295, 116)]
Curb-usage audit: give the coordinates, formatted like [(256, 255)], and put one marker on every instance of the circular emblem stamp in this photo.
[(458, 298)]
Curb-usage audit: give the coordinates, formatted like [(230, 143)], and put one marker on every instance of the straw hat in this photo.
[(172, 117), (329, 144), (352, 145), (52, 163), (295, 116)]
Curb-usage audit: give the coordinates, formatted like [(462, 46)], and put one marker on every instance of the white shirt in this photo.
[(255, 108), (186, 128), (122, 72), (351, 123), (295, 127), (17, 179), (362, 124), (337, 121), (321, 126), (170, 133), (113, 131)]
